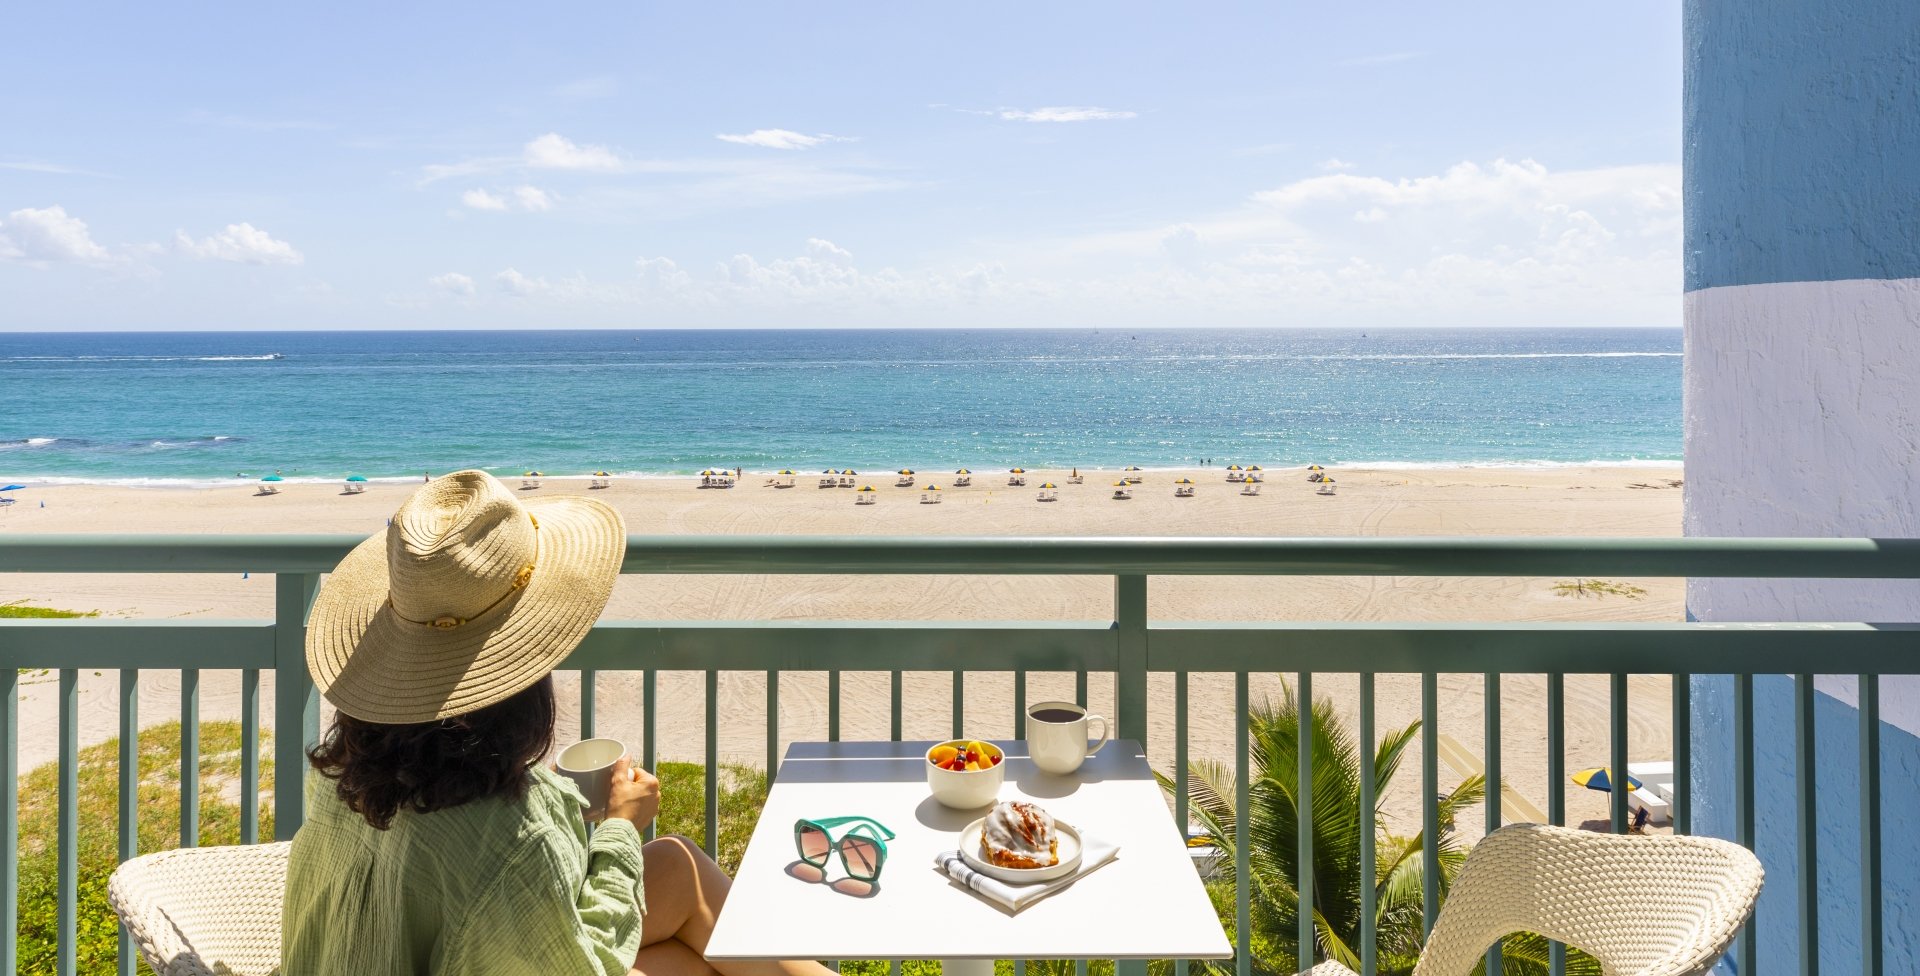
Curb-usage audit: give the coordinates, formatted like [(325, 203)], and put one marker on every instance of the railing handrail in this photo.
[(1794, 558)]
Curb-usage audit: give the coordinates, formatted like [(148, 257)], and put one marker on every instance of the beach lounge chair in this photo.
[(1121, 492), (906, 481), (1641, 905), (963, 481), (1076, 479), (203, 910), (1183, 491), (1326, 488), (929, 498), (1251, 488)]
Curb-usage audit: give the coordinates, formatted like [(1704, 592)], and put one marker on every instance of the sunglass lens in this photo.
[(863, 857), (813, 844)]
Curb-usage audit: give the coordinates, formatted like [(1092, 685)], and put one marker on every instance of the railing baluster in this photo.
[(1370, 825), (129, 799), (1556, 785), (1871, 952), (1805, 755), (833, 706), (1130, 659), (586, 703), (1617, 753), (1304, 941), (894, 691), (1242, 877), (1080, 688), (649, 729), (1682, 812), (1491, 748), (713, 763), (67, 863), (249, 756), (10, 819), (1180, 814), (773, 724), (1429, 801), (190, 757), (959, 717), (296, 704), (1747, 950), (1019, 704)]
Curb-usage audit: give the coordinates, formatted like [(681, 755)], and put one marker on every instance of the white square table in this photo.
[(1148, 903)]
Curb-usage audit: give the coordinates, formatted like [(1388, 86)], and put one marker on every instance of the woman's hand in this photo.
[(635, 794)]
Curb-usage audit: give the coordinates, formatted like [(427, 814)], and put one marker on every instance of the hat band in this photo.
[(450, 622)]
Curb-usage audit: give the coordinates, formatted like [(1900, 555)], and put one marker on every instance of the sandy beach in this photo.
[(1616, 501)]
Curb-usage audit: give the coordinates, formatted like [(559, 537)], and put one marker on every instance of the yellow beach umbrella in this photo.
[(602, 474), (933, 487), (866, 488), (1254, 468), (1235, 467), (1121, 484), (849, 471), (786, 470), (963, 471), (1315, 467), (1133, 467), (1184, 481), (1048, 485), (534, 474), (906, 470), (1598, 779), (1016, 470)]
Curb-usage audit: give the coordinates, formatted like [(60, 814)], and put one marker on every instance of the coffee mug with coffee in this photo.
[(1057, 736), (589, 763)]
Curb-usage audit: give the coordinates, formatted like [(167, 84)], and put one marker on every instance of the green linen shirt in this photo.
[(493, 886)]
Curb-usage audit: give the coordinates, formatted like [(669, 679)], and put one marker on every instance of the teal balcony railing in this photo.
[(1129, 646)]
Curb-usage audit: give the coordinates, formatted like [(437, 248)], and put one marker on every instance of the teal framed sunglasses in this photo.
[(863, 847)]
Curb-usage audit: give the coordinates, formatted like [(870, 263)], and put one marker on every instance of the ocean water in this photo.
[(196, 407)]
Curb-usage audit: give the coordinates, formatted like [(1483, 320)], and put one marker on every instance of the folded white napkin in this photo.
[(1093, 853)]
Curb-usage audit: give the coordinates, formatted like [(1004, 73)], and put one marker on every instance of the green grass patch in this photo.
[(18, 610)]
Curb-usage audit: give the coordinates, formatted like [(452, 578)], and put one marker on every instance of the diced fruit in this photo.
[(943, 755), (979, 748), (975, 764), (996, 759)]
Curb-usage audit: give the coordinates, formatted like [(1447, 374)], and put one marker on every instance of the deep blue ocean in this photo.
[(166, 407)]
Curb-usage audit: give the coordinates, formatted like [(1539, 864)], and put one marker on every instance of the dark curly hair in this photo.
[(379, 770)]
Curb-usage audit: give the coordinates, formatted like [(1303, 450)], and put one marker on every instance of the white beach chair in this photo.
[(1642, 906), (929, 498), (906, 481), (1076, 479), (1183, 491), (963, 481), (1235, 477), (1122, 494), (204, 910), (1326, 488), (1251, 488), (865, 498)]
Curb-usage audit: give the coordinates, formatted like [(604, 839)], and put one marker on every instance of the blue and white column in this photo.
[(1802, 129)]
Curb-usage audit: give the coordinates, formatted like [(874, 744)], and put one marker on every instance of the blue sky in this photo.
[(645, 165)]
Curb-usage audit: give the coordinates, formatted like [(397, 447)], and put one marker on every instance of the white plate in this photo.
[(1069, 851)]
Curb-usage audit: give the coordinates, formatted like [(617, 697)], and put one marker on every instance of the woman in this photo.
[(437, 841)]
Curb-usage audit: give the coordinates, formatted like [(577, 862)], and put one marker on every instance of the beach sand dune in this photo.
[(1414, 502)]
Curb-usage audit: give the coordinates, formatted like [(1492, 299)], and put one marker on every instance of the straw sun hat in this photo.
[(469, 596)]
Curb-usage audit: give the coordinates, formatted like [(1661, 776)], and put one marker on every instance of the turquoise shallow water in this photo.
[(164, 407)]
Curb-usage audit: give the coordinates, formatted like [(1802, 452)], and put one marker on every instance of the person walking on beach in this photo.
[(437, 839)]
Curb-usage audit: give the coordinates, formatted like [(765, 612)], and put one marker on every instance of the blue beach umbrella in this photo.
[(273, 477), (356, 477), (1597, 779), (12, 487)]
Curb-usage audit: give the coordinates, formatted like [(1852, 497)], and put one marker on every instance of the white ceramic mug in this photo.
[(1057, 736), (589, 763)]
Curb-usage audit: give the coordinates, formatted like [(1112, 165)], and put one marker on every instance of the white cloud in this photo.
[(781, 139), (453, 282), (49, 236), (1065, 113), (555, 151), (1371, 215), (514, 283), (1335, 165), (241, 243), (482, 200), (532, 199)]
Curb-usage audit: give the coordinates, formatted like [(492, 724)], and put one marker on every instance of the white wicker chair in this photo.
[(1642, 906), (205, 911)]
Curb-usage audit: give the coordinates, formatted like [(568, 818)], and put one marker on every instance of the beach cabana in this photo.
[(866, 495), (1236, 473), (962, 478), (905, 480), (1049, 492), (1183, 488), (355, 484), (270, 485), (1016, 477), (931, 496), (1122, 490)]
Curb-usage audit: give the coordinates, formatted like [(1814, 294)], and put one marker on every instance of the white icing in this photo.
[(1020, 828)]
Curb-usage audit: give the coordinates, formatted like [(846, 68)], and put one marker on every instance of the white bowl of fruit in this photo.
[(966, 774)]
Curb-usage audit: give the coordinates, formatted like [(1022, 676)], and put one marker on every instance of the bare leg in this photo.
[(669, 957), (684, 891)]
